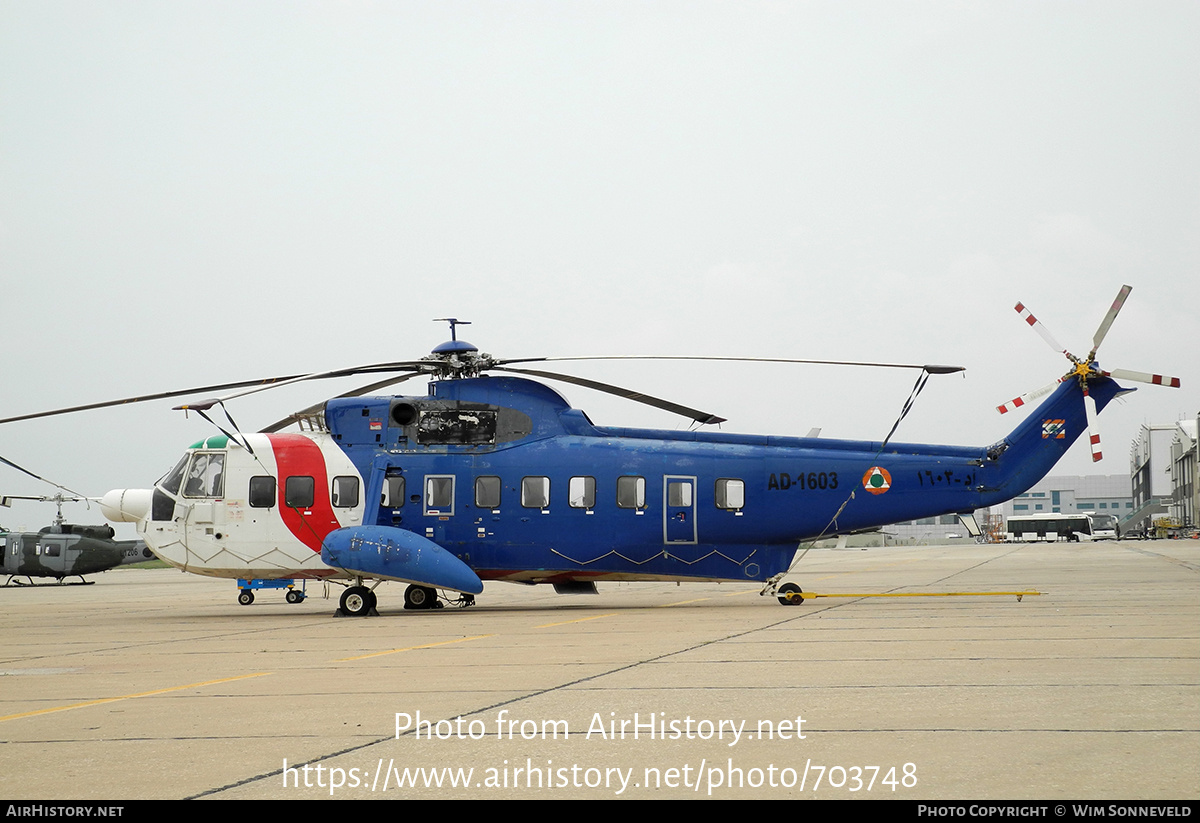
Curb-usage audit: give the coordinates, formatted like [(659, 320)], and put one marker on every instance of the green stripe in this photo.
[(217, 441)]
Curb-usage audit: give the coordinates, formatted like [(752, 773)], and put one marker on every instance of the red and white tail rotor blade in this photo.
[(1018, 402), (1109, 318), (1089, 405), (1028, 317), (1144, 377)]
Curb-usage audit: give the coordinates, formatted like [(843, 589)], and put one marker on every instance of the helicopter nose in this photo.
[(126, 505)]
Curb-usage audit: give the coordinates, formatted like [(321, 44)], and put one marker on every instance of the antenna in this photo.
[(453, 321)]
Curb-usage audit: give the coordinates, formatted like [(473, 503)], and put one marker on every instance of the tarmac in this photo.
[(157, 684)]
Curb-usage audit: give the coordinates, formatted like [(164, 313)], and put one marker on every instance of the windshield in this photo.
[(206, 475), (174, 477)]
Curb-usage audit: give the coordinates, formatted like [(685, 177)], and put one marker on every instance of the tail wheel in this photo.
[(795, 592)]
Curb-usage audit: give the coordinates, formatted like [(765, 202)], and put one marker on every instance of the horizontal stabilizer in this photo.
[(396, 554)]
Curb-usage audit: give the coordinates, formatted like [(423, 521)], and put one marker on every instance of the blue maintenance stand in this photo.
[(247, 587)]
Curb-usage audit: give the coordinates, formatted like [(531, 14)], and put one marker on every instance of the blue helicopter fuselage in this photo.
[(504, 475)]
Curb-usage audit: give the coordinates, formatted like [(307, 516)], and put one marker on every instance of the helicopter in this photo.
[(493, 475), (63, 550)]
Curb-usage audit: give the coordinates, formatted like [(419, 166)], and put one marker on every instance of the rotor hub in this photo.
[(456, 358)]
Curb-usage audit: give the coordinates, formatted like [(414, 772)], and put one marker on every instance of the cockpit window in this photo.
[(206, 475), (174, 477)]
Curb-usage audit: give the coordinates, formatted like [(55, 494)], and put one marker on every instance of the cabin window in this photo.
[(730, 493), (439, 494), (679, 493), (581, 492), (52, 550), (299, 492), (535, 492), (487, 492), (631, 492), (345, 492), (206, 475), (262, 492), (393, 492)]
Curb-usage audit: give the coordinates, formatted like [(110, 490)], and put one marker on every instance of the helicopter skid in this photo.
[(14, 583)]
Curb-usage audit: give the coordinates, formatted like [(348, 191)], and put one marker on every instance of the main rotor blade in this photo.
[(628, 394), (143, 398), (313, 409), (205, 405), (1028, 317), (1109, 318), (265, 383), (54, 498), (932, 369), (1144, 377)]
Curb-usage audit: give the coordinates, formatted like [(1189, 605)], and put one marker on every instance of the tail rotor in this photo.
[(1083, 369)]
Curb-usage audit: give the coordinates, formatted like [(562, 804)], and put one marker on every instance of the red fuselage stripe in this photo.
[(297, 456)]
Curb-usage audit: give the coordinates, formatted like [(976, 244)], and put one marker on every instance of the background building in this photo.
[(1185, 461), (1075, 494), (1067, 494), (1150, 473)]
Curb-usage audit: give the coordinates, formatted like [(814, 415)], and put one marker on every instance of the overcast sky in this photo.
[(193, 192)]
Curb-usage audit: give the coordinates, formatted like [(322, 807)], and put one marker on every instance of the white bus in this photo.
[(1044, 528), (1104, 526)]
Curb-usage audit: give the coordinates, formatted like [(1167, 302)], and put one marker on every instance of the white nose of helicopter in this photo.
[(126, 505)]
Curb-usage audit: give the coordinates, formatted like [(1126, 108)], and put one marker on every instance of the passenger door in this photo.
[(679, 509)]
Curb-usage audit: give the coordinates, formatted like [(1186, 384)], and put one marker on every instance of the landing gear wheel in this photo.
[(357, 601), (420, 597), (245, 597), (792, 589), (294, 596)]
